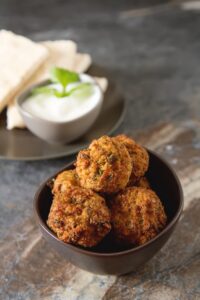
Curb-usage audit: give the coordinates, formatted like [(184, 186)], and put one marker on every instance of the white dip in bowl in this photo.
[(61, 119)]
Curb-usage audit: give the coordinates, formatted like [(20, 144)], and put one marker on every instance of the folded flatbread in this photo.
[(82, 62), (19, 59)]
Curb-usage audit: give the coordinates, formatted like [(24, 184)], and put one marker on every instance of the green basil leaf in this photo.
[(47, 90), (82, 90), (44, 90), (64, 77), (80, 87)]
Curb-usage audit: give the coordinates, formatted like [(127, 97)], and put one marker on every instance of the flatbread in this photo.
[(19, 59), (82, 62), (102, 82), (61, 54), (14, 119)]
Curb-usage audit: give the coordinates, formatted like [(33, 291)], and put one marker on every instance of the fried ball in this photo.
[(79, 216), (143, 183), (137, 215), (105, 166), (64, 180), (139, 157)]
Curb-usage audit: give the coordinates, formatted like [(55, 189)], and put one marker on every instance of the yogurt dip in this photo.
[(63, 109)]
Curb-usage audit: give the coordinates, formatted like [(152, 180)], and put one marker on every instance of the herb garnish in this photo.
[(64, 78)]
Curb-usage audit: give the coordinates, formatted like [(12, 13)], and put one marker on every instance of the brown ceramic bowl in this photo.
[(107, 258)]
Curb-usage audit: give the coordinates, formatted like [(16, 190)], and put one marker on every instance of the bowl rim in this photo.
[(23, 96), (119, 253)]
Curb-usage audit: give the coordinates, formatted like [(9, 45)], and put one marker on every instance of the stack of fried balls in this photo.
[(107, 192)]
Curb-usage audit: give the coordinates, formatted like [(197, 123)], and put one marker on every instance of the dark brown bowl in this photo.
[(106, 258)]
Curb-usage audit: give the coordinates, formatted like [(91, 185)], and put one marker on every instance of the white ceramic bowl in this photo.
[(58, 132)]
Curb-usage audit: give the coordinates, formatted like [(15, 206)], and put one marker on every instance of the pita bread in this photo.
[(82, 62), (61, 54), (14, 119), (19, 59), (102, 82)]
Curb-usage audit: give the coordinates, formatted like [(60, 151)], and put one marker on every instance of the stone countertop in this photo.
[(153, 55)]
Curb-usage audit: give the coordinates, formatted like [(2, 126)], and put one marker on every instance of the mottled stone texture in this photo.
[(153, 55)]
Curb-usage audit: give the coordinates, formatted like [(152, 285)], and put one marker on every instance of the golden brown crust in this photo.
[(128, 142), (137, 215), (79, 216), (64, 180), (139, 157), (143, 183), (105, 166)]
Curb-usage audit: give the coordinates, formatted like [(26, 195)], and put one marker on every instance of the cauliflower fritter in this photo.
[(137, 215), (139, 157), (79, 216), (143, 183), (64, 180), (105, 166)]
